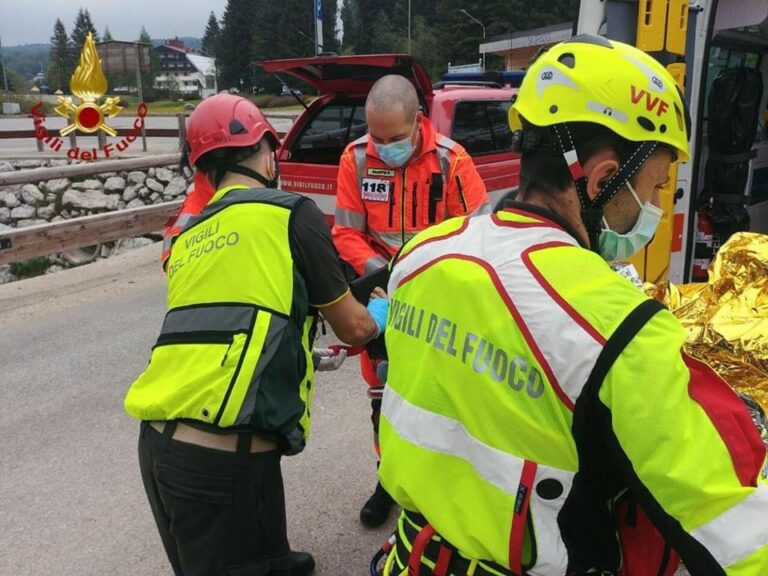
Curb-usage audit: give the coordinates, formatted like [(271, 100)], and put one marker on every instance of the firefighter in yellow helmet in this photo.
[(540, 415)]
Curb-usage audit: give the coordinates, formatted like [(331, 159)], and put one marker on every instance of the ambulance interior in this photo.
[(732, 188)]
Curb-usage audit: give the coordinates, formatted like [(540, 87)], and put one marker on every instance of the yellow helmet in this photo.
[(594, 79)]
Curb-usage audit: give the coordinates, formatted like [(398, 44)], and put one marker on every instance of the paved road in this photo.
[(70, 493), (27, 146)]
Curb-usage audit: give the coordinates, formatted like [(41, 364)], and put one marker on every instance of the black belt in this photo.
[(457, 565)]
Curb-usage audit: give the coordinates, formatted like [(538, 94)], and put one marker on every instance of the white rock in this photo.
[(154, 185), (56, 186), (89, 200), (46, 212), (30, 222), (129, 193), (57, 218), (136, 177), (143, 192), (164, 174), (31, 194), (177, 187), (5, 215), (114, 184), (88, 185), (55, 268), (9, 199), (59, 163), (5, 275), (22, 212), (154, 197), (6, 167), (107, 175), (151, 172), (135, 203)]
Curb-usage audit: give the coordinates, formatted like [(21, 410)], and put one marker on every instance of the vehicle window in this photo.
[(327, 134), (481, 126)]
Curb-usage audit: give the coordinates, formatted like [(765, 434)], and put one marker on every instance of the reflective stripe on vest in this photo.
[(437, 433), (745, 526), (350, 219), (392, 239), (234, 347), (448, 414)]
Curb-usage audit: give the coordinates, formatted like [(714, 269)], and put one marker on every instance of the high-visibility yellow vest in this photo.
[(234, 350), (497, 326)]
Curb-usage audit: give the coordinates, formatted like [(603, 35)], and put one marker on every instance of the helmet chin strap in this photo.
[(240, 169), (592, 209)]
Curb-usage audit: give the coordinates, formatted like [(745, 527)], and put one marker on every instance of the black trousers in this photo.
[(219, 513)]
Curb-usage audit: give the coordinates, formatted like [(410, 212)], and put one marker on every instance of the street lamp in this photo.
[(468, 15), (318, 49)]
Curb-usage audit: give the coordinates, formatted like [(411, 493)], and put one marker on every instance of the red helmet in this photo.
[(225, 121)]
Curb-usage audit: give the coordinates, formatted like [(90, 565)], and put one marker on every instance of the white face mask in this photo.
[(614, 246)]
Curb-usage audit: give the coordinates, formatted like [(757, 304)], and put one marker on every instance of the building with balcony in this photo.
[(184, 71)]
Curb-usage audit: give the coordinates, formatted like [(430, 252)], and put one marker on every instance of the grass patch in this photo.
[(27, 102), (30, 268)]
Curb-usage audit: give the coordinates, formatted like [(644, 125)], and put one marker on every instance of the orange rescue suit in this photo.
[(378, 208)]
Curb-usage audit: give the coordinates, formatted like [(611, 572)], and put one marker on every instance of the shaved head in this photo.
[(392, 92)]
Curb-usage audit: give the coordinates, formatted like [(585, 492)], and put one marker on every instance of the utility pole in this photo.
[(140, 92), (318, 26), (468, 15), (409, 26), (5, 71)]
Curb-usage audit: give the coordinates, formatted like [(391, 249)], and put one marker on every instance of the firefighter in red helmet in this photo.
[(228, 388)]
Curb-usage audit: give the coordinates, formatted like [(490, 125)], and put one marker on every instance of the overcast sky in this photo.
[(31, 21)]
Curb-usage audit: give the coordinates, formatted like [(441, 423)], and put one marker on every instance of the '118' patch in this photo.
[(376, 190)]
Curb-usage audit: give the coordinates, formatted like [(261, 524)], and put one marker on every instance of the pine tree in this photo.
[(212, 37), (148, 78), (350, 21), (107, 36), (60, 59), (330, 29), (83, 25), (239, 39)]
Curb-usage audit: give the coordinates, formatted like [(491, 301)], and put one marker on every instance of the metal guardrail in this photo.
[(87, 169), (24, 243)]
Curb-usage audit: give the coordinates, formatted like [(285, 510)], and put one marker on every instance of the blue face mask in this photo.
[(614, 246), (395, 154)]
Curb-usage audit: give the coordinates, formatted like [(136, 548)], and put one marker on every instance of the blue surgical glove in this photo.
[(378, 308)]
